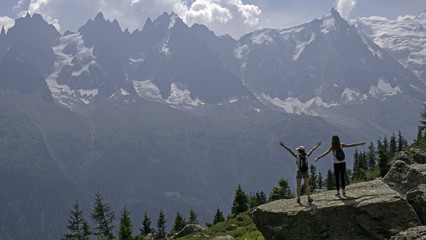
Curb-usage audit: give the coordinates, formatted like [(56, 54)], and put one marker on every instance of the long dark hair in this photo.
[(335, 143)]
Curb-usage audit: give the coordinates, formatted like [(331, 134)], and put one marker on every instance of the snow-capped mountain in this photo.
[(320, 64), (303, 69), (404, 38), (315, 68), (166, 61)]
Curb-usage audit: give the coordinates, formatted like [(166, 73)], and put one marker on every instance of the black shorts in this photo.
[(301, 174)]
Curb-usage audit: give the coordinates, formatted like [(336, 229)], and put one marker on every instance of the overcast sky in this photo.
[(233, 17)]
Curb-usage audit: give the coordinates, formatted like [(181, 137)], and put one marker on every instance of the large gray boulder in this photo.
[(188, 229), (403, 177), (417, 199), (371, 210), (418, 155), (405, 157)]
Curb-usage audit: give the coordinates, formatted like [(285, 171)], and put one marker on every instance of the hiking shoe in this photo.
[(344, 194), (310, 200), (298, 200), (337, 194)]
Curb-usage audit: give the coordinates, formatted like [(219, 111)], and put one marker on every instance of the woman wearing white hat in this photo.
[(302, 168)]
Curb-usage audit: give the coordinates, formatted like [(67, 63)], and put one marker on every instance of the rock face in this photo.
[(417, 199), (361, 215), (403, 177), (418, 155), (416, 233)]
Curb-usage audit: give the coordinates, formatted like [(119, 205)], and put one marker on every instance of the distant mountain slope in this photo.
[(404, 37), (144, 155)]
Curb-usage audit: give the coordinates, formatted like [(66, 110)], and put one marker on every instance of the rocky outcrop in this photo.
[(188, 229), (392, 207), (417, 199), (361, 215), (405, 157), (418, 155), (403, 177), (408, 176), (416, 233)]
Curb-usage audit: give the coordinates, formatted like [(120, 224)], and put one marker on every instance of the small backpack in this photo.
[(303, 163), (340, 155)]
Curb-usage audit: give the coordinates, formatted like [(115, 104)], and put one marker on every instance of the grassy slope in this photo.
[(245, 230)]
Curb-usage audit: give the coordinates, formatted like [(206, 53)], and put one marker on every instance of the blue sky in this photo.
[(234, 17)]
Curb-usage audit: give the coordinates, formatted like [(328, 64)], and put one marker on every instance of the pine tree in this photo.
[(330, 181), (281, 192), (146, 226), (402, 142), (260, 198), (193, 218), (240, 203), (86, 231), (355, 167), (348, 176), (393, 148), (180, 223), (320, 181), (363, 161), (313, 178), (383, 158), (422, 126), (125, 229), (161, 226), (256, 199), (371, 155), (218, 217), (363, 166), (103, 217), (78, 226), (419, 135), (385, 144)]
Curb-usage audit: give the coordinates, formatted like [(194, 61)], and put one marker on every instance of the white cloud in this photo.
[(6, 22), (222, 16), (18, 5), (344, 7), (207, 11)]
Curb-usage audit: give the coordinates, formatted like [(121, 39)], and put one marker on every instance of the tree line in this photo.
[(79, 229)]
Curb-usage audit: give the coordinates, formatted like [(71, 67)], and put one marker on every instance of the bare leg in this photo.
[(308, 189), (299, 182)]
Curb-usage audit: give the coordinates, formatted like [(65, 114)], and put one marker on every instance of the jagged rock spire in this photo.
[(3, 31)]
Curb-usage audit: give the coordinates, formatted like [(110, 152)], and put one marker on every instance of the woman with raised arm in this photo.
[(302, 168), (339, 162)]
